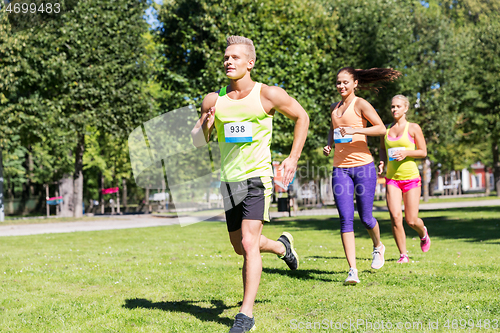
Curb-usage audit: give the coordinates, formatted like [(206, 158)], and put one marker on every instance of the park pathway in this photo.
[(423, 206), (142, 221), (107, 223)]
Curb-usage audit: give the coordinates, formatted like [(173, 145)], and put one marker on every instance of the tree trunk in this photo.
[(147, 200), (319, 192), (2, 214), (124, 194), (487, 181), (21, 209), (496, 164), (78, 177), (31, 175), (118, 202), (10, 194), (66, 191), (101, 195), (458, 190), (58, 207), (426, 172), (47, 198)]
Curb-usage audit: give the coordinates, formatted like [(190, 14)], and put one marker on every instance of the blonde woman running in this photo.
[(402, 143)]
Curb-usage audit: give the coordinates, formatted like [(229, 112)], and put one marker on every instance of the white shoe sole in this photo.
[(351, 282), (290, 238)]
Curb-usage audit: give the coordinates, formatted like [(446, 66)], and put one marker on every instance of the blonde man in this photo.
[(242, 113)]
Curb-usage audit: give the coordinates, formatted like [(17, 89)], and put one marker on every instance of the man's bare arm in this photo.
[(204, 126), (288, 106)]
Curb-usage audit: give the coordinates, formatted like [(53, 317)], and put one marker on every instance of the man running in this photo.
[(242, 113)]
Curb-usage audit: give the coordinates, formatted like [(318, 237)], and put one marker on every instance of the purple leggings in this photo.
[(361, 181)]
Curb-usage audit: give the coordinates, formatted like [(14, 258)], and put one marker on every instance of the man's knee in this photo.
[(249, 244)]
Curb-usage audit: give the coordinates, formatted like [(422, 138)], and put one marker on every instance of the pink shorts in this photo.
[(404, 185)]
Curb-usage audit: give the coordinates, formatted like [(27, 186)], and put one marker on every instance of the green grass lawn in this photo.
[(382, 203), (173, 279)]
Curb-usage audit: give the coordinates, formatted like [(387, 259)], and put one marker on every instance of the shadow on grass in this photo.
[(452, 223), (312, 274), (211, 314), (303, 274), (330, 257), (343, 258)]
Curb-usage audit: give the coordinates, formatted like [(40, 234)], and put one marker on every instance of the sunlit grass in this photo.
[(173, 279)]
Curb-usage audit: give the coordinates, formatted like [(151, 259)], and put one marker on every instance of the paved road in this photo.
[(142, 221), (107, 223), (423, 206)]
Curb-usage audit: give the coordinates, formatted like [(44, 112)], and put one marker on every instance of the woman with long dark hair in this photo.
[(354, 171)]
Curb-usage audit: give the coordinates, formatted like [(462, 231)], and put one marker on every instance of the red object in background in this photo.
[(54, 198), (278, 178), (110, 190), (480, 172)]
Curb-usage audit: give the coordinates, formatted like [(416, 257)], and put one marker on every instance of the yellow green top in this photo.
[(244, 131), (407, 168)]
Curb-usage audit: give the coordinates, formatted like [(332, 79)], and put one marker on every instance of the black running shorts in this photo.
[(246, 200)]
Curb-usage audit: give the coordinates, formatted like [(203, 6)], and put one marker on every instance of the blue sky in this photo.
[(151, 14)]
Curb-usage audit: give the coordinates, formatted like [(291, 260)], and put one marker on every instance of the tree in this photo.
[(476, 22), (295, 45), (85, 68), (483, 98), (467, 11)]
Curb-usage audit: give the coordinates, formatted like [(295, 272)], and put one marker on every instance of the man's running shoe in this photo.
[(378, 257), (290, 257), (242, 323), (425, 243)]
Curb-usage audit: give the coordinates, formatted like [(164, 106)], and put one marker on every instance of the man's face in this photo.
[(236, 61)]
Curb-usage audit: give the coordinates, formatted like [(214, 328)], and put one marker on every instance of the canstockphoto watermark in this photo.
[(362, 324), (28, 14)]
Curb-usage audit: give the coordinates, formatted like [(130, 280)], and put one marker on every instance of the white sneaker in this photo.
[(352, 277), (378, 257)]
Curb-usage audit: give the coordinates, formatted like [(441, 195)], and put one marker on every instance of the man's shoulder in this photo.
[(211, 98), (273, 92), (271, 89)]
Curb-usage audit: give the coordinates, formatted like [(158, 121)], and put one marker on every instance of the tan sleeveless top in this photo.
[(354, 153)]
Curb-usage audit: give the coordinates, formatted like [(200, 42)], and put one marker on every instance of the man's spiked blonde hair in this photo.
[(232, 40)]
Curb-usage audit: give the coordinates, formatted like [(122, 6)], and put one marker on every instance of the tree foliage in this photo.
[(295, 45), (74, 87), (86, 69)]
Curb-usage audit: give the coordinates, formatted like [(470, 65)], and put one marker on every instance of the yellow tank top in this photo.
[(350, 151), (244, 131), (406, 169)]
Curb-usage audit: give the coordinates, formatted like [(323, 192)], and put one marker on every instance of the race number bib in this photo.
[(391, 152), (338, 138), (238, 132)]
